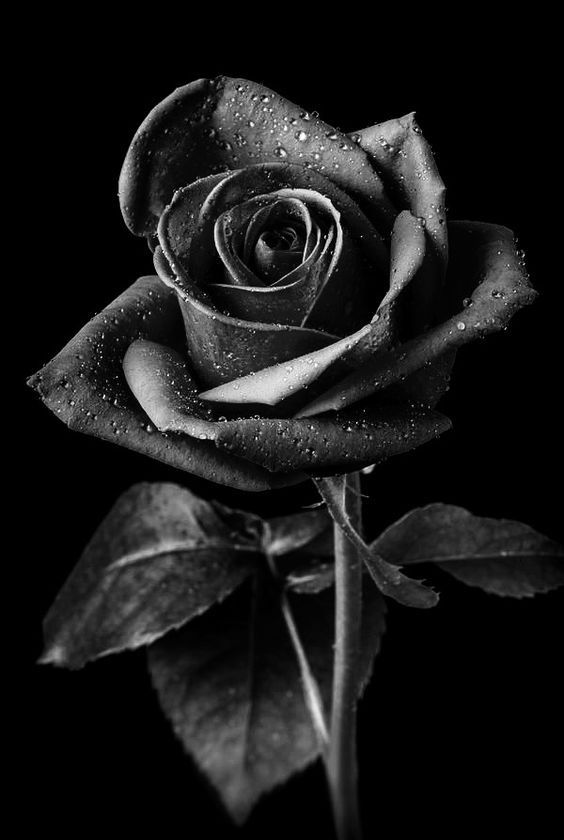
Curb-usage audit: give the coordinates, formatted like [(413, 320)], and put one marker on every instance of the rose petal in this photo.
[(189, 253), (221, 347), (161, 381), (289, 300), (225, 124), (277, 382), (187, 237), (275, 263), (486, 273), (407, 252), (85, 387), (406, 164), (243, 228)]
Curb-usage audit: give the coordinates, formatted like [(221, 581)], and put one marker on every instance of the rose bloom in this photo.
[(308, 301)]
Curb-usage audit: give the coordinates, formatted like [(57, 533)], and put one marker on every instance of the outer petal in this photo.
[(405, 161), (161, 381), (85, 387), (216, 125), (486, 286)]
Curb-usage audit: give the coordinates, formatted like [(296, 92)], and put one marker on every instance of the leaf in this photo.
[(389, 580), (161, 557), (304, 547), (500, 556), (230, 685), (286, 534), (311, 578)]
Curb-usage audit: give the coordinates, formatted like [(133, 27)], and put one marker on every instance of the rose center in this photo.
[(283, 239), (278, 251)]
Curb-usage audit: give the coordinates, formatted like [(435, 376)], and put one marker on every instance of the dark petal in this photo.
[(260, 222), (237, 231), (161, 381), (84, 386), (222, 348), (187, 232), (290, 298), (276, 304), (487, 273), (273, 263), (405, 162), (224, 124), (276, 383), (428, 384), (407, 253), (281, 243)]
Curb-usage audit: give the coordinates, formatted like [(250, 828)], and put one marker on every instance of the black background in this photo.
[(461, 724)]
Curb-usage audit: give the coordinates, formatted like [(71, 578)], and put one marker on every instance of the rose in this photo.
[(304, 320)]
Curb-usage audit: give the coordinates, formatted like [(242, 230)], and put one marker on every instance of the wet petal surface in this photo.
[(406, 164), (486, 285), (161, 381), (225, 124), (85, 387)]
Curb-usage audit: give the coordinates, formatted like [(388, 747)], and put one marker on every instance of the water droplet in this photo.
[(301, 136), (461, 326), (280, 152)]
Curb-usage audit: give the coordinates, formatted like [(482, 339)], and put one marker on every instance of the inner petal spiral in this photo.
[(278, 251)]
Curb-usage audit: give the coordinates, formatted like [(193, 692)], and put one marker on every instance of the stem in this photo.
[(341, 764), (311, 689), (312, 695)]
